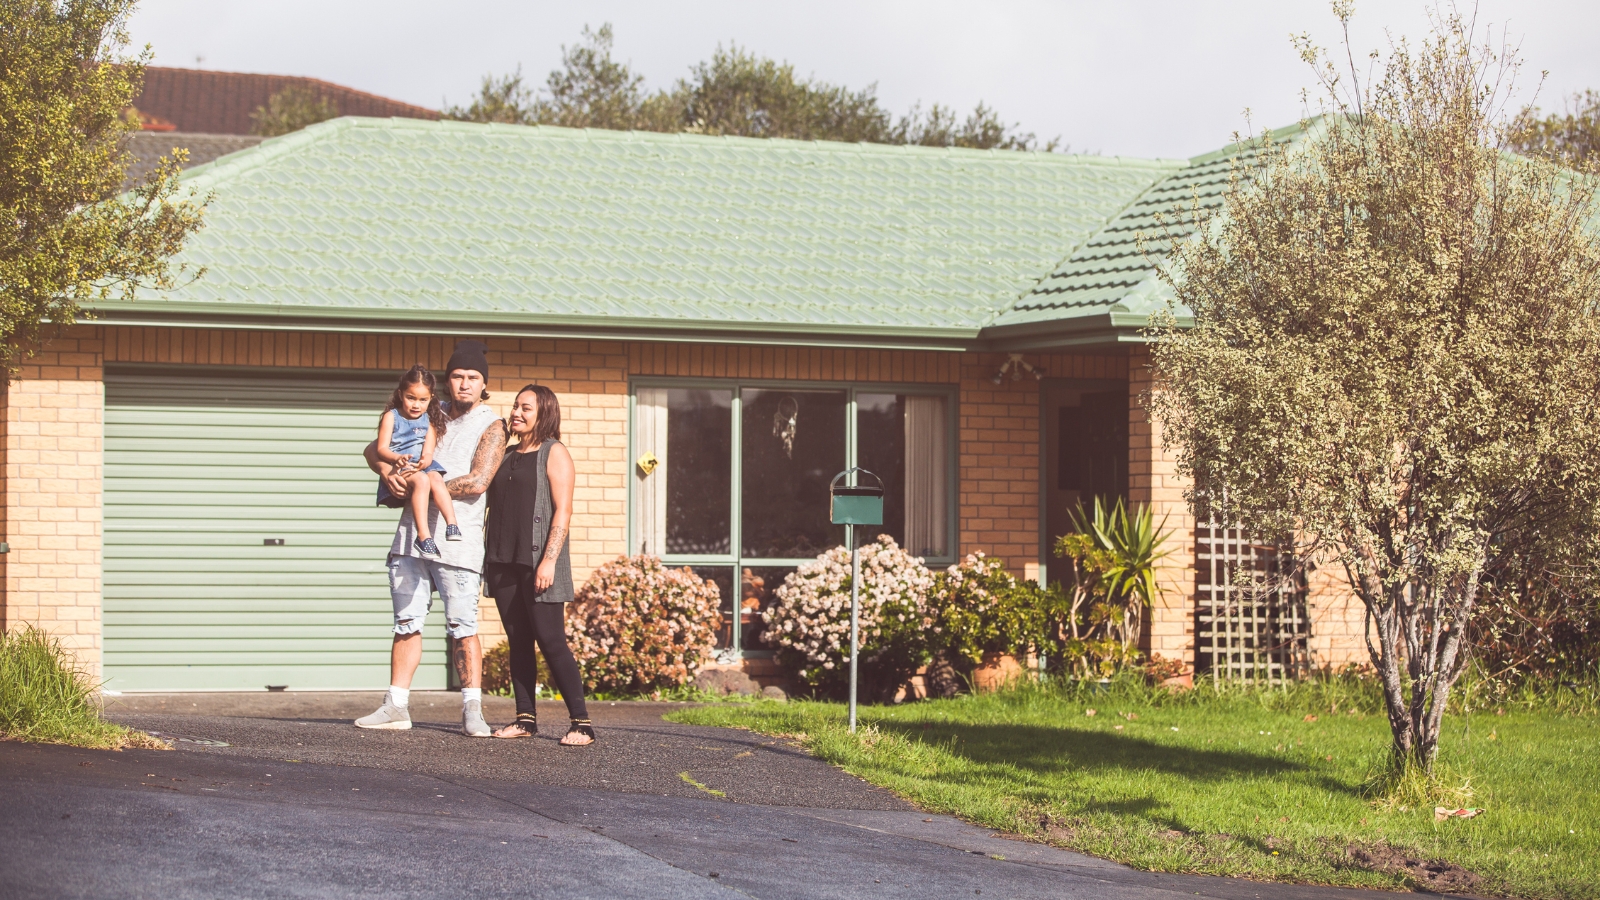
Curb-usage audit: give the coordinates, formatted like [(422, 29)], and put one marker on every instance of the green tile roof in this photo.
[(1109, 285), (399, 224)]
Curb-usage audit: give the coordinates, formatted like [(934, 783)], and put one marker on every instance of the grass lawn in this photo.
[(1238, 783)]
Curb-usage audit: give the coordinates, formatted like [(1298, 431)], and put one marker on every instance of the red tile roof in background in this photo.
[(197, 100)]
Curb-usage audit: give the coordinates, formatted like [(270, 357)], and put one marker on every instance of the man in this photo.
[(470, 452)]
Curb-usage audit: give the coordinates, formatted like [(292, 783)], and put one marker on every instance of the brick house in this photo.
[(183, 499)]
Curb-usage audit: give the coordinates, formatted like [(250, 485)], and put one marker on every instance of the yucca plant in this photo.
[(1131, 546)]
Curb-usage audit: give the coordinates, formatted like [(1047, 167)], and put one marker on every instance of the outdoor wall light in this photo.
[(1016, 366)]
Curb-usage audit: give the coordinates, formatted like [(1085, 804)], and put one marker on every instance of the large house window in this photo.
[(738, 488)]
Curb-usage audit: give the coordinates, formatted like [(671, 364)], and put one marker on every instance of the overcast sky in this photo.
[(1137, 78)]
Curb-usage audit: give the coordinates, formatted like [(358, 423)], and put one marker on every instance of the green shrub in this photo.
[(46, 698)]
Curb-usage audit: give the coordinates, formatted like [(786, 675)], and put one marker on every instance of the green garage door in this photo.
[(242, 546)]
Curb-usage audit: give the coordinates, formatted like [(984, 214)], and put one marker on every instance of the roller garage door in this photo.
[(242, 547)]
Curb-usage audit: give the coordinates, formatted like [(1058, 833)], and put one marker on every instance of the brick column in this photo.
[(1153, 478), (999, 464), (53, 462)]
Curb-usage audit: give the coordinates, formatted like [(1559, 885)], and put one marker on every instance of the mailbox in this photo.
[(858, 504)]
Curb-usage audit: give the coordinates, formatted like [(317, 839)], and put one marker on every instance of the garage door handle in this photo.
[(272, 542)]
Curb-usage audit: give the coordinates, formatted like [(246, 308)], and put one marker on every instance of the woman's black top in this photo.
[(518, 524)]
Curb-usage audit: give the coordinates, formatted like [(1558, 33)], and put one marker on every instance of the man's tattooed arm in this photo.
[(491, 449), (552, 544)]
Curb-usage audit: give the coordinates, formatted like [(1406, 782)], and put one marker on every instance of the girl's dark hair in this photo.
[(419, 374), (548, 426)]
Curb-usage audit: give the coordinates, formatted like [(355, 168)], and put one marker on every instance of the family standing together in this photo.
[(503, 492)]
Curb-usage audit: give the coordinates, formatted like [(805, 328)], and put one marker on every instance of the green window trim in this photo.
[(735, 558)]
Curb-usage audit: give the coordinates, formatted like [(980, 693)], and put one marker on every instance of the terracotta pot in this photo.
[(1182, 682), (996, 671)]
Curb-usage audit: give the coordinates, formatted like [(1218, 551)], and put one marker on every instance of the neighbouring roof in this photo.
[(147, 147), (401, 225), (206, 102)]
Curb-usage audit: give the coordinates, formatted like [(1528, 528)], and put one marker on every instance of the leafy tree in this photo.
[(292, 109), (1395, 357), (735, 92), (1572, 138), (67, 237), (501, 98)]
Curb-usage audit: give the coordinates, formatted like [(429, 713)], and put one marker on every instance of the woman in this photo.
[(527, 565)]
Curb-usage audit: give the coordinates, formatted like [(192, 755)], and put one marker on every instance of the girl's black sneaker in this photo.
[(452, 533), (427, 547)]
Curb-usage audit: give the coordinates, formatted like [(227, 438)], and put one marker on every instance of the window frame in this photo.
[(734, 559)]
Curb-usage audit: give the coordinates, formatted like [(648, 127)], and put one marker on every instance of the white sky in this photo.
[(1137, 78)]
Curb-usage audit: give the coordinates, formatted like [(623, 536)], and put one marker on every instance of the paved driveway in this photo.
[(283, 798)]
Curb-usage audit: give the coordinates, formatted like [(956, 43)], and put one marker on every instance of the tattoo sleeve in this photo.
[(552, 544), (491, 447)]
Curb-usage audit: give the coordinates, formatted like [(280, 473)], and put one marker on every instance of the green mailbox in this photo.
[(856, 504)]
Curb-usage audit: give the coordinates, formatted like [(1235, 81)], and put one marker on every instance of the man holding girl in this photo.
[(470, 452)]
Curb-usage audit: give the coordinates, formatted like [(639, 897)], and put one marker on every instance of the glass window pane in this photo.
[(722, 576), (757, 585), (792, 444), (905, 439), (881, 450), (683, 506)]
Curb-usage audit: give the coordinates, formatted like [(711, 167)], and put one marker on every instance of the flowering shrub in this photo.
[(981, 608), (637, 625), (809, 620)]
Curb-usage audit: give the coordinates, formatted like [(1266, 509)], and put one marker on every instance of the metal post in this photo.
[(855, 608)]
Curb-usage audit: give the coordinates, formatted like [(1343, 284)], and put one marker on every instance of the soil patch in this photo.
[(1433, 874)]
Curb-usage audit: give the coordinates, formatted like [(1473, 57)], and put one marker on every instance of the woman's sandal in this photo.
[(525, 726), (581, 727)]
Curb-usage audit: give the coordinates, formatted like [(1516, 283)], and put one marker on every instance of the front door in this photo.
[(1085, 425)]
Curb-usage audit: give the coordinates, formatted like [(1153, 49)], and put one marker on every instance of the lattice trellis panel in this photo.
[(1251, 622)]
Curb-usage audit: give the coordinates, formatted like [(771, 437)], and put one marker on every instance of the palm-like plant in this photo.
[(1132, 542)]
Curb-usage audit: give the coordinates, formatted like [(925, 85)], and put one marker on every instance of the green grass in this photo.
[(44, 698), (1230, 783)]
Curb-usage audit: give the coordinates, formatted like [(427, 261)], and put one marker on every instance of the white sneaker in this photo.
[(472, 723), (388, 717)]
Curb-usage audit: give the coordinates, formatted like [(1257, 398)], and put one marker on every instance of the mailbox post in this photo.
[(851, 505)]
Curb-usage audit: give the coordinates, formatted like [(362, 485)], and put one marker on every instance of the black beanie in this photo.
[(469, 355)]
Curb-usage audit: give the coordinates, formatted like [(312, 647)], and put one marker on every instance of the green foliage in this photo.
[(980, 608), (1571, 138), (1114, 557), (292, 109), (67, 237), (1259, 782), (45, 698), (735, 93), (1394, 358)]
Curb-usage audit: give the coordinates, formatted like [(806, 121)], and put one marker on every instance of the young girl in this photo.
[(411, 426)]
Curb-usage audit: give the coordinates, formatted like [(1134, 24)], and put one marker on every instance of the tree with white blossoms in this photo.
[(809, 620), (1395, 355)]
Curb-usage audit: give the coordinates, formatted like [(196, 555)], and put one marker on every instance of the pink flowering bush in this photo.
[(637, 625), (809, 620)]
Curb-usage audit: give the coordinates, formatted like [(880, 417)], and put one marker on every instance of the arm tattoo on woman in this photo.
[(552, 544), (491, 447)]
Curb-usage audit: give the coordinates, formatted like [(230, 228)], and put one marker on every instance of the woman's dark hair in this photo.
[(548, 426), (419, 374)]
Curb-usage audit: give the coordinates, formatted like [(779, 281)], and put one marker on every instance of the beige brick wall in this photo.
[(1153, 478), (1338, 618), (52, 466)]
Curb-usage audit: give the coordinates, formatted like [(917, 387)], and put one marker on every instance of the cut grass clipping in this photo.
[(46, 699), (1268, 784)]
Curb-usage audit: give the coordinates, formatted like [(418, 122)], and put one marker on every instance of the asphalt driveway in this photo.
[(284, 798)]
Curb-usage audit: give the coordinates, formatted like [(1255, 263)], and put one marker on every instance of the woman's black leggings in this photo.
[(526, 623)]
